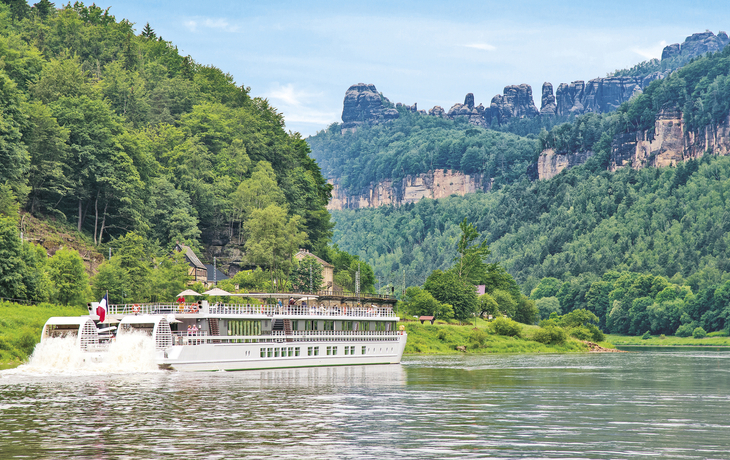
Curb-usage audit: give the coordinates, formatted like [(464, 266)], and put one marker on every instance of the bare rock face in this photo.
[(475, 115), (411, 189), (696, 45), (550, 164), (548, 106), (469, 100), (669, 143), (363, 104), (516, 102), (437, 111), (569, 97)]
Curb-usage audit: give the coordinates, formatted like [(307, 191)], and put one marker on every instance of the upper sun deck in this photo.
[(256, 310)]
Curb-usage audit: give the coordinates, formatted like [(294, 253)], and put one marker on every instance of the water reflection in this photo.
[(641, 405)]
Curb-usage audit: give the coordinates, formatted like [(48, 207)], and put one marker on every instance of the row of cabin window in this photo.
[(284, 352)]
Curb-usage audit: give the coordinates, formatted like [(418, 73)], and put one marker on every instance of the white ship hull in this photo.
[(247, 356)]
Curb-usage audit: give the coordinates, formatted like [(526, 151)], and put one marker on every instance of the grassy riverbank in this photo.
[(444, 338), (668, 341), (20, 328)]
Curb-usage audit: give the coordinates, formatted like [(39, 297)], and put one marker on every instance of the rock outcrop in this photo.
[(475, 115), (515, 102), (669, 144), (363, 104), (411, 189), (550, 164), (548, 106), (696, 45)]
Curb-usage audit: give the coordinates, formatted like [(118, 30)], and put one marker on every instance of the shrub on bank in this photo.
[(477, 337), (554, 335), (508, 327), (685, 330), (699, 333)]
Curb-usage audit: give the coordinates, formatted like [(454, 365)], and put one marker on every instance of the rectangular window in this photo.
[(347, 325), (364, 349), (296, 351), (269, 352), (352, 350), (334, 350), (316, 351), (311, 325), (329, 325), (309, 351), (291, 351), (347, 351), (329, 351), (276, 352), (238, 327), (295, 325), (263, 352)]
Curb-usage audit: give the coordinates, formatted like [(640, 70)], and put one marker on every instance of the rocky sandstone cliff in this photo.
[(666, 145), (550, 164), (669, 144), (411, 189)]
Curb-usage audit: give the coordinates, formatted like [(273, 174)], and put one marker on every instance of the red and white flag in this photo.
[(102, 308)]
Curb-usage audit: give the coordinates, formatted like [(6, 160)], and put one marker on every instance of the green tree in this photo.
[(272, 238), (547, 306), (547, 287), (306, 275), (68, 277), (526, 311), (419, 302), (447, 287), (487, 306), (11, 278), (471, 256)]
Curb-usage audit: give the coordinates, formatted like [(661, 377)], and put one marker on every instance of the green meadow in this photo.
[(442, 338), (668, 341)]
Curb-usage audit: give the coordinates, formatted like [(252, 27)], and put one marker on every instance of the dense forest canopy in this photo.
[(415, 144), (102, 124)]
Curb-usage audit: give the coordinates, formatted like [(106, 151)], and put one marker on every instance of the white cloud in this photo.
[(289, 95), (300, 106), (652, 52), (210, 23), (481, 46)]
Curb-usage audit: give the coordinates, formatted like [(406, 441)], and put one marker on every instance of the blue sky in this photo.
[(303, 56)]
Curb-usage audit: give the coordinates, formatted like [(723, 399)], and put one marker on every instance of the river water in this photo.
[(586, 406)]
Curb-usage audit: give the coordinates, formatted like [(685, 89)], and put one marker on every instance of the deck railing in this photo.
[(183, 338), (265, 310)]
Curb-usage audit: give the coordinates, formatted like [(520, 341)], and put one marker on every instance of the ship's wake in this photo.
[(129, 353)]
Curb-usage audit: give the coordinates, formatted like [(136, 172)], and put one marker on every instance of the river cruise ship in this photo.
[(285, 330)]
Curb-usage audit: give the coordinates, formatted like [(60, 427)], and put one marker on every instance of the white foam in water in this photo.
[(130, 353)]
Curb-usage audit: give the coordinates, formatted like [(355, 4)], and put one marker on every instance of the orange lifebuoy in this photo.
[(135, 309)]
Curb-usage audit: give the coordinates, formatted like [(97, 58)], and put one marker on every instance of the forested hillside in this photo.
[(577, 227), (587, 223), (416, 143), (108, 129)]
